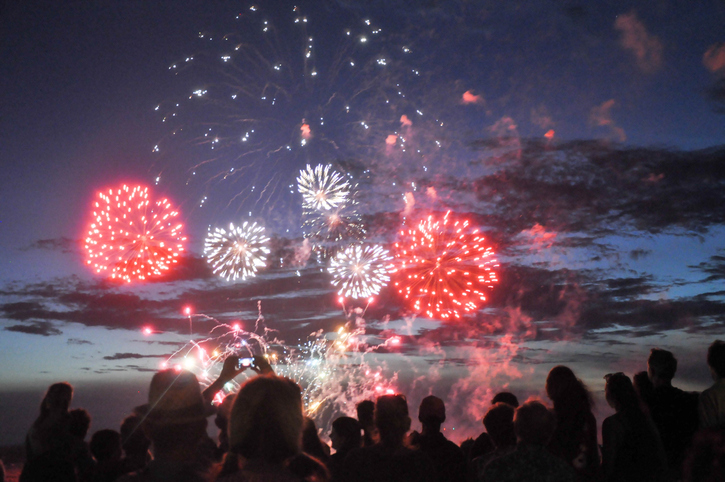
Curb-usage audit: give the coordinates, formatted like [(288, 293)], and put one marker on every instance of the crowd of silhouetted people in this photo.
[(657, 433)]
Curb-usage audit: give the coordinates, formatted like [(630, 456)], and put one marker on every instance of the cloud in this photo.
[(714, 57), (471, 98), (42, 328), (637, 254), (129, 356), (601, 115), (62, 244), (405, 122), (646, 48), (715, 268), (78, 341)]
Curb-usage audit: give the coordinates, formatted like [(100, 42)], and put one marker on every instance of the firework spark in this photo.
[(361, 271), (443, 267), (237, 253), (322, 188), (132, 237)]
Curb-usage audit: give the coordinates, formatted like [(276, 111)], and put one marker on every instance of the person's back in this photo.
[(530, 461), (631, 450), (712, 400), (673, 411), (499, 423), (575, 438), (389, 460), (446, 457)]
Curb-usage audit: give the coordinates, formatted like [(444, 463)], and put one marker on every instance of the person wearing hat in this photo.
[(175, 420)]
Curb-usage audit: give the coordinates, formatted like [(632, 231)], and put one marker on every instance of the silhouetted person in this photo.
[(365, 415), (483, 444), (575, 437), (712, 400), (446, 457), (705, 460), (311, 443), (48, 442), (135, 444), (106, 449), (175, 422), (222, 422), (673, 411), (346, 435), (534, 426), (644, 388), (499, 423), (631, 450), (79, 422), (389, 460), (265, 430)]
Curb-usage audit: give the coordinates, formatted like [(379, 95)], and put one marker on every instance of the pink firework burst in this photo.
[(131, 237), (444, 267)]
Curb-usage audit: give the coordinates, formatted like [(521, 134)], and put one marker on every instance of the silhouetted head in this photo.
[(661, 365), (620, 393), (79, 422), (505, 397), (57, 398), (266, 420), (365, 413), (176, 413), (499, 423), (566, 391), (716, 358), (106, 445), (432, 412), (133, 438), (534, 424), (345, 434), (391, 418)]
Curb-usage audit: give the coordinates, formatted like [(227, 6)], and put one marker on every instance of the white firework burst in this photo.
[(322, 188), (237, 253), (361, 271)]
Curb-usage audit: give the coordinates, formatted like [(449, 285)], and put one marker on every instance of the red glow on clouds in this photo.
[(405, 122), (391, 139), (714, 58), (550, 134), (470, 98), (305, 131)]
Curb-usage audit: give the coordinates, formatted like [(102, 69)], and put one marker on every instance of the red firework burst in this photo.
[(132, 238), (443, 267)]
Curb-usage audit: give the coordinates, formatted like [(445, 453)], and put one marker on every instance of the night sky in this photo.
[(585, 142)]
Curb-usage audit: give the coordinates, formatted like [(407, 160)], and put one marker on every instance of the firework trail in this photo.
[(237, 253), (335, 371), (443, 267), (361, 271), (131, 237)]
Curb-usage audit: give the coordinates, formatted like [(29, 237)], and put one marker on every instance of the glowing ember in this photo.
[(322, 188), (238, 253), (132, 237), (361, 272), (443, 267)]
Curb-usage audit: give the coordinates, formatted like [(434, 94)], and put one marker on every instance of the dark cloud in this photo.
[(126, 356), (593, 188), (714, 268), (78, 341), (62, 244), (637, 254), (42, 328)]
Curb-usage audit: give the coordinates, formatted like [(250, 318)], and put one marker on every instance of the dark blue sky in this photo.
[(584, 140)]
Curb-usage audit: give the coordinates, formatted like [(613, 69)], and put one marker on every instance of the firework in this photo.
[(361, 271), (328, 229), (444, 267), (322, 188), (132, 237), (237, 253)]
